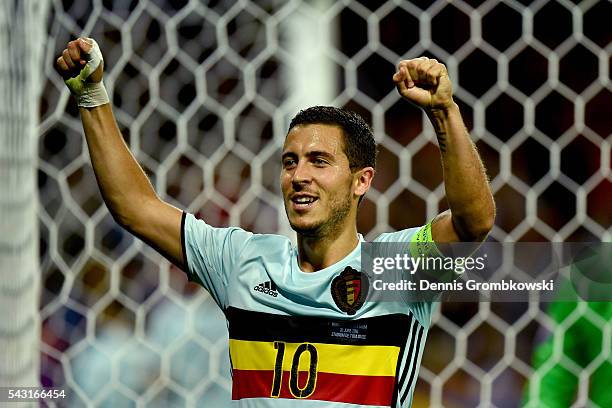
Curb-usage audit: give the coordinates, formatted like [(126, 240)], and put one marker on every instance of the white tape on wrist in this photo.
[(94, 94), (89, 94)]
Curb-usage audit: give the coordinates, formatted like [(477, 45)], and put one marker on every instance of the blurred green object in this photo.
[(581, 342)]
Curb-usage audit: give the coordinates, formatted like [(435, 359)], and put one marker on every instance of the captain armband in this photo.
[(423, 245)]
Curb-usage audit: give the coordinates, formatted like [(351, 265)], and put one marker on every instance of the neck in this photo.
[(318, 252)]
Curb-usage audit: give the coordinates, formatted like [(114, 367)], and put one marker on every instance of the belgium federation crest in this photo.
[(350, 289)]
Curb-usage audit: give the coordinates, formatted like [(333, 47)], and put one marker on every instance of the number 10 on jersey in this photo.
[(294, 386)]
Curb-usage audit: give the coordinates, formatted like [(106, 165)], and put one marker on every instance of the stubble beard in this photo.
[(339, 210)]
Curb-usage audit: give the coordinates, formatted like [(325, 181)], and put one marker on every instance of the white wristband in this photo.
[(89, 94), (93, 94)]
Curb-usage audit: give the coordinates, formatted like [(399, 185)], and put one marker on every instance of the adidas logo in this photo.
[(269, 288)]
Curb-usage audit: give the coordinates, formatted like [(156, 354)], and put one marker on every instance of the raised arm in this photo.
[(425, 83), (125, 188)]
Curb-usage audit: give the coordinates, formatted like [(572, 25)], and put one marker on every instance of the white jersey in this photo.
[(307, 339)]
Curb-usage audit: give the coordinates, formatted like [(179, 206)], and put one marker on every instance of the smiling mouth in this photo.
[(303, 202)]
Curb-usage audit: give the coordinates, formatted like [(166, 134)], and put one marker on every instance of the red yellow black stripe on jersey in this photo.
[(350, 361)]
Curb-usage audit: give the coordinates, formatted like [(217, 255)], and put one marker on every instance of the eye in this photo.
[(317, 161), (288, 163)]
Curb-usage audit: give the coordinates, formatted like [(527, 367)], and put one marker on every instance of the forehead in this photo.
[(309, 137)]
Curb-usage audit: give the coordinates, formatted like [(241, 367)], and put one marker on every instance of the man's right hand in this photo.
[(75, 57), (81, 65)]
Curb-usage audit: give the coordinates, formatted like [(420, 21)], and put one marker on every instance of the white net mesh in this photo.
[(203, 92)]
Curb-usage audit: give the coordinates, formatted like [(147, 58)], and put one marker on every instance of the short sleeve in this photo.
[(212, 254), (419, 242)]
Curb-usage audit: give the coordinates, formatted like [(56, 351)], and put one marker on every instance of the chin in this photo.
[(305, 228)]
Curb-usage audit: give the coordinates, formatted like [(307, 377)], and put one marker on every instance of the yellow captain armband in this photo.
[(433, 265), (423, 245)]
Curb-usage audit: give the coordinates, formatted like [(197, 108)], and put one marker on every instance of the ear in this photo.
[(363, 180)]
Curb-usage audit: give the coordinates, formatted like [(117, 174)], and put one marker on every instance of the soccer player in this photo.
[(301, 333)]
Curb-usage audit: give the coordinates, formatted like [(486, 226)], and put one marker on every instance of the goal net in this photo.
[(203, 92)]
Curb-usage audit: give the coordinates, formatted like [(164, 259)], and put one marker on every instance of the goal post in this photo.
[(22, 41)]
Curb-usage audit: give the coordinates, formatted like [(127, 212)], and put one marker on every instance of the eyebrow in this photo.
[(288, 154), (316, 153), (313, 153)]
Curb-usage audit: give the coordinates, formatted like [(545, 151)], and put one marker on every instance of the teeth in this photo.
[(304, 200)]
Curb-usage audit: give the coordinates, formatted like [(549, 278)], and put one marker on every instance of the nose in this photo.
[(301, 174)]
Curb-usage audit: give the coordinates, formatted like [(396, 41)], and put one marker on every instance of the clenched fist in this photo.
[(425, 83), (81, 65)]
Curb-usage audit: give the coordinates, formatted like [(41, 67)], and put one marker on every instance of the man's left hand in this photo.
[(425, 83)]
